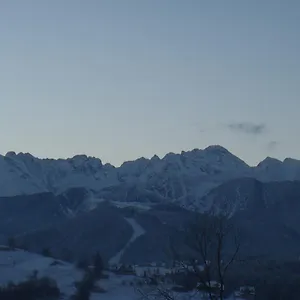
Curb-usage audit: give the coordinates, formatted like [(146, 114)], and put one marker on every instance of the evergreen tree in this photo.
[(11, 242), (85, 287), (98, 265), (46, 252), (82, 264)]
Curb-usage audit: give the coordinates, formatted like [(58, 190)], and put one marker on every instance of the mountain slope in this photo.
[(43, 221), (266, 214), (103, 229)]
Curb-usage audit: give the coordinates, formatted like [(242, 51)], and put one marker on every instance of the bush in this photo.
[(84, 287), (11, 242), (140, 283), (187, 281), (99, 290), (98, 265), (46, 252), (87, 284), (82, 264), (32, 289), (104, 276)]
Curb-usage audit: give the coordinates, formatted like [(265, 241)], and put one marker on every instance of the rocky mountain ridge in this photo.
[(180, 178)]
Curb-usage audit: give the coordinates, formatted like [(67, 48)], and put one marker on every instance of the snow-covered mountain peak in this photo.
[(10, 154), (271, 169), (172, 157), (222, 154), (291, 161), (108, 166), (155, 158), (214, 160), (183, 178), (269, 162), (84, 158), (217, 149), (14, 155), (135, 166), (84, 161)]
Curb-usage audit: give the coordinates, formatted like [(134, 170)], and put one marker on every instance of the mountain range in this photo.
[(179, 178), (77, 206)]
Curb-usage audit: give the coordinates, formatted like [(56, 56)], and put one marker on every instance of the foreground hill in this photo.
[(17, 265)]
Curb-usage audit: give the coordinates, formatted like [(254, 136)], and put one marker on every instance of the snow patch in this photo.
[(137, 205), (137, 232), (17, 265)]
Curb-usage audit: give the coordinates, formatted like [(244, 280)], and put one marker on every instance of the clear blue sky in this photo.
[(120, 79)]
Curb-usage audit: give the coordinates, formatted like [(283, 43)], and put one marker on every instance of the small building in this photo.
[(123, 269)]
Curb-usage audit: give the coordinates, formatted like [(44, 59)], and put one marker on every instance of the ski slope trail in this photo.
[(138, 231)]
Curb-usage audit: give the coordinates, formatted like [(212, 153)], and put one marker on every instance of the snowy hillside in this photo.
[(182, 178), (18, 265)]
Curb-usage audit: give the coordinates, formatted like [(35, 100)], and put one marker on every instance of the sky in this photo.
[(121, 79)]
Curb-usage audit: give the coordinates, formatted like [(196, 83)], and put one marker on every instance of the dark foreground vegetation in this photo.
[(86, 286), (31, 289), (271, 279)]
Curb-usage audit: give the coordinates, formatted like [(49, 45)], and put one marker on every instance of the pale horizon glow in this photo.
[(120, 79)]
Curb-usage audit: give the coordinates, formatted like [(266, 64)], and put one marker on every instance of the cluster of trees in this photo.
[(272, 279), (32, 289), (91, 275), (12, 244)]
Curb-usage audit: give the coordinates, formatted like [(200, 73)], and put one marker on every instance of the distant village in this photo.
[(156, 273)]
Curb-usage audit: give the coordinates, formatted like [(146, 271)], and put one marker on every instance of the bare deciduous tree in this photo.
[(215, 246), (217, 243)]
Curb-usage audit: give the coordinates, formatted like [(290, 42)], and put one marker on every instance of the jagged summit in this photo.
[(155, 158), (10, 154), (268, 161), (213, 150), (290, 160), (181, 178), (216, 148)]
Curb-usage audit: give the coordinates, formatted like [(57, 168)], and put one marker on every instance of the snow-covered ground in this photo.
[(137, 232), (17, 265), (116, 289)]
